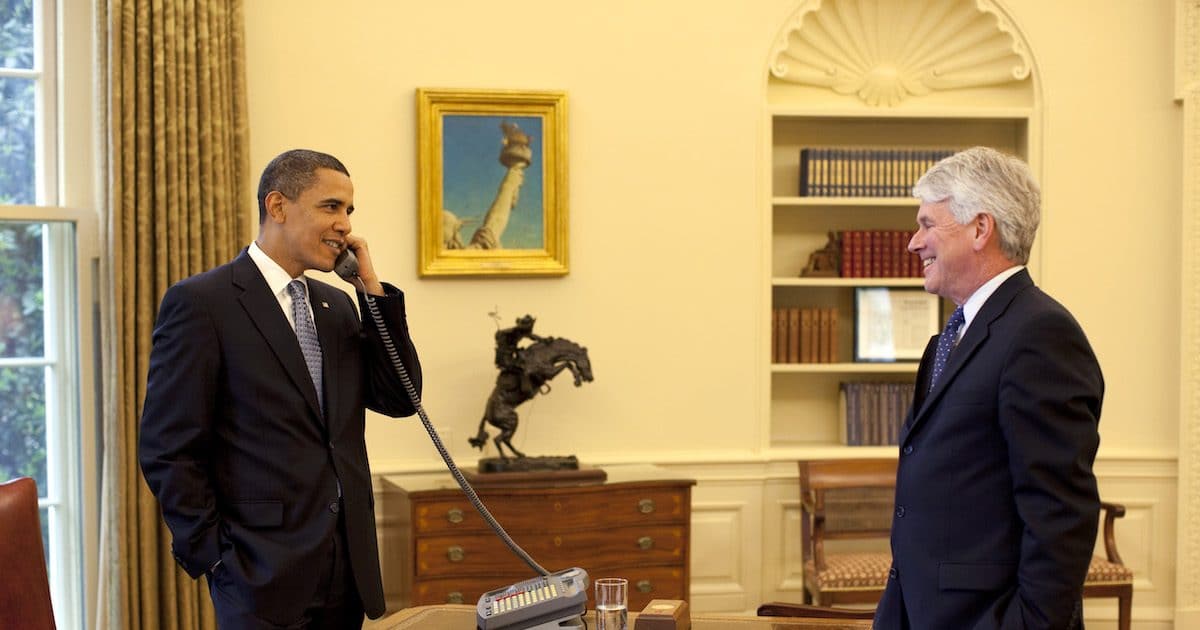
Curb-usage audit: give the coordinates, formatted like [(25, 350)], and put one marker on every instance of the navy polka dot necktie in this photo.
[(946, 343), (306, 334)]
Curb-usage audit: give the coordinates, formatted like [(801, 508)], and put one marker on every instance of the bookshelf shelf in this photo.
[(847, 282), (844, 368), (797, 452), (863, 202)]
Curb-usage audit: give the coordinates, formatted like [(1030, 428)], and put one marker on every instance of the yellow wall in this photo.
[(666, 283), (1112, 195)]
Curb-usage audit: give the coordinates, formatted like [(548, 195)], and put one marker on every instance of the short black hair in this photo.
[(291, 173)]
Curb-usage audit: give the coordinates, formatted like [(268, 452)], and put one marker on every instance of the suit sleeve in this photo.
[(176, 425), (386, 393), (1050, 396)]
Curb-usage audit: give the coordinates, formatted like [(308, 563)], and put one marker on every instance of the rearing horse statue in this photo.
[(525, 377)]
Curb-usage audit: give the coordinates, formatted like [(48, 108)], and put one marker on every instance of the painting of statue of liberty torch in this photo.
[(474, 171), (493, 182)]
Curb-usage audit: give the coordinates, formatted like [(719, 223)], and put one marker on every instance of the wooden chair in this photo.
[(839, 500), (1108, 576), (25, 588), (853, 498)]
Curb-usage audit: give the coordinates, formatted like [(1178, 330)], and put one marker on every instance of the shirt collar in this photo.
[(277, 279), (974, 303)]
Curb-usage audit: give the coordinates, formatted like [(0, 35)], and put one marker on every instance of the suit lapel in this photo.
[(921, 390), (263, 309), (976, 335)]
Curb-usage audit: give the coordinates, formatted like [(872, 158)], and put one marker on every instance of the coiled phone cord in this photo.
[(437, 440)]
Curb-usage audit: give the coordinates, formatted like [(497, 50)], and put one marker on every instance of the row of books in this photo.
[(863, 171), (878, 254), (871, 413), (804, 335)]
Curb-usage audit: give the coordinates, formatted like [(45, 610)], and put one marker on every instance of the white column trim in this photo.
[(1187, 90)]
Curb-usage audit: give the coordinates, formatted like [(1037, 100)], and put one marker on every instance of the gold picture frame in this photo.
[(492, 175)]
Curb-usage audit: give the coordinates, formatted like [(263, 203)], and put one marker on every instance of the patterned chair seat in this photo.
[(869, 571), (1101, 571), (850, 572)]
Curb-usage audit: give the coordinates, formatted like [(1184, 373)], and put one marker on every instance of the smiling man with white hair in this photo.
[(996, 501)]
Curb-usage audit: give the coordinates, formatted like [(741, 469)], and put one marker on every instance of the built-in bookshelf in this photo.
[(804, 404), (865, 114)]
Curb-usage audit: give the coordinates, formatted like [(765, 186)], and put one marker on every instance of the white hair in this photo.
[(983, 180)]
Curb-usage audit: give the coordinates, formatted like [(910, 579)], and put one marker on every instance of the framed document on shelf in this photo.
[(892, 324)]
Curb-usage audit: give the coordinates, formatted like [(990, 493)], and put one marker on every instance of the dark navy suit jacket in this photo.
[(237, 451), (996, 501)]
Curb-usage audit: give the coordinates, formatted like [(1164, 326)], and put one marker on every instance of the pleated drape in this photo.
[(176, 180)]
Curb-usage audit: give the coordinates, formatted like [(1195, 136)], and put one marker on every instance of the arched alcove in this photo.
[(888, 52), (870, 78)]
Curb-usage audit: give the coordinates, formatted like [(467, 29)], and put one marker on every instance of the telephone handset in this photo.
[(553, 600), (346, 265)]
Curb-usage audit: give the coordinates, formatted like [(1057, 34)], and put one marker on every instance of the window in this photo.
[(40, 383), (27, 96), (47, 258)]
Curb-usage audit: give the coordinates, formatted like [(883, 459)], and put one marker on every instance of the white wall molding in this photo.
[(719, 573), (1187, 90), (721, 467)]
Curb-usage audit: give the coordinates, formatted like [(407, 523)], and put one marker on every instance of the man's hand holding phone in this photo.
[(366, 271)]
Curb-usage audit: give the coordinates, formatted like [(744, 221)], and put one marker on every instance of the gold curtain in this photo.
[(174, 93)]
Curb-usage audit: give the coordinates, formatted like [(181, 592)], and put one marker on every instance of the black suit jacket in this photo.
[(235, 447), (996, 501)]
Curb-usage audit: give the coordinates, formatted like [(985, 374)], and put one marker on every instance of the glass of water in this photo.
[(612, 604)]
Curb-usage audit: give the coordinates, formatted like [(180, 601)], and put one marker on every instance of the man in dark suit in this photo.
[(996, 502), (252, 430)]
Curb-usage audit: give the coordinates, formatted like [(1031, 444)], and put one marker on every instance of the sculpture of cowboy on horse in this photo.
[(524, 373)]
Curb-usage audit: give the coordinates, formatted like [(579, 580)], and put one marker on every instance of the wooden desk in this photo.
[(636, 525), (451, 617)]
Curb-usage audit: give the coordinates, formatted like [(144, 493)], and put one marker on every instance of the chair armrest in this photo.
[(808, 503), (784, 609), (1112, 511), (813, 527)]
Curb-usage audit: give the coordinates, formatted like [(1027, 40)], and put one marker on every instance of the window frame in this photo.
[(46, 105), (65, 190), (70, 446)]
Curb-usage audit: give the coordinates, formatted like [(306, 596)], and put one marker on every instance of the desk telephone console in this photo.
[(557, 600)]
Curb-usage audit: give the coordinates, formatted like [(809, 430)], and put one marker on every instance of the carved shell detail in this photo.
[(884, 51)]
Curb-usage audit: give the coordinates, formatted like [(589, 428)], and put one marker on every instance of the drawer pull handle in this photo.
[(645, 543), (644, 586), (454, 597), (646, 506), (455, 515), (456, 554)]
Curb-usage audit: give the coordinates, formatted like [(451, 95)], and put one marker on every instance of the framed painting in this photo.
[(492, 176), (894, 324)]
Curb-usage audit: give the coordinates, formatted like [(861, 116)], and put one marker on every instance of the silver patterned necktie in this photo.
[(306, 334), (945, 344)]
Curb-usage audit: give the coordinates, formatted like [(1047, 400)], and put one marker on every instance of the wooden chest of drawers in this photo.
[(638, 530)]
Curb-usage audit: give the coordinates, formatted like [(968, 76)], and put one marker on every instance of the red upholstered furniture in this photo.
[(24, 589)]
